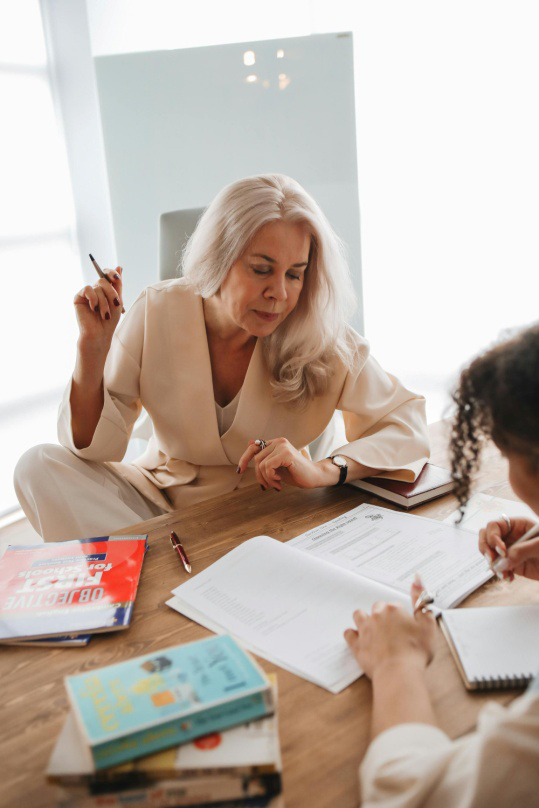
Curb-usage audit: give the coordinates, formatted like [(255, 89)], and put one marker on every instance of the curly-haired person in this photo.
[(410, 761)]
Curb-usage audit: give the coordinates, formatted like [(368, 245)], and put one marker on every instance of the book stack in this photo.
[(60, 593), (189, 725)]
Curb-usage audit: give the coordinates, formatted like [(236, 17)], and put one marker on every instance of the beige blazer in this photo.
[(159, 360)]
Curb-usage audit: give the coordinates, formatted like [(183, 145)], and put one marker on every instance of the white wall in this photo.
[(181, 124)]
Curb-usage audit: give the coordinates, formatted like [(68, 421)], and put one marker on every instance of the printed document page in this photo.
[(483, 508), (391, 547), (284, 605)]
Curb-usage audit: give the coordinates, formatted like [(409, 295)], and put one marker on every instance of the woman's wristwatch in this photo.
[(342, 465)]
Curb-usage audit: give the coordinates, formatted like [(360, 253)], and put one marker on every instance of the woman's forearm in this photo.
[(400, 696), (87, 395)]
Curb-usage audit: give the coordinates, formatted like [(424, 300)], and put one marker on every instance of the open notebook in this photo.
[(494, 647)]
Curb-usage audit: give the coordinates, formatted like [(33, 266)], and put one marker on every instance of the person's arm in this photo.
[(98, 309), (408, 703), (410, 762), (393, 649), (385, 425), (280, 462), (416, 765), (99, 409)]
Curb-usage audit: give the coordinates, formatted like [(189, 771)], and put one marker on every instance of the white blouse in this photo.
[(496, 766), (226, 415)]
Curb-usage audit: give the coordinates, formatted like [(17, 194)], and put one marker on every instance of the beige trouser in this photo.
[(65, 497)]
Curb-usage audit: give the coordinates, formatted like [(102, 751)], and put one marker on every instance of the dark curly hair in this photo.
[(497, 398)]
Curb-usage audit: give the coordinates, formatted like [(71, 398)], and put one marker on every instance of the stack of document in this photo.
[(291, 602)]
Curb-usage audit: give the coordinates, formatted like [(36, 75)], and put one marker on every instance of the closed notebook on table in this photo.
[(495, 647), (432, 482)]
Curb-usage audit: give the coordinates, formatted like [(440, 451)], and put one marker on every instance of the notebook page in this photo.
[(500, 642), (288, 606)]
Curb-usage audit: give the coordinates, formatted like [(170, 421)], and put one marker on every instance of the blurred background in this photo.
[(415, 125)]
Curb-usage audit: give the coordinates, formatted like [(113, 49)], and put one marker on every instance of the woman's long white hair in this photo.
[(302, 351)]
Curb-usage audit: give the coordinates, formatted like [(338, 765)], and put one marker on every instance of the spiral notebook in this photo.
[(494, 647)]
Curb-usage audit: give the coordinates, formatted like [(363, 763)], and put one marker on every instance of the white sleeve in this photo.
[(416, 765)]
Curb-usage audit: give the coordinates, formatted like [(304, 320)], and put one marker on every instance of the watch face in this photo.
[(339, 461)]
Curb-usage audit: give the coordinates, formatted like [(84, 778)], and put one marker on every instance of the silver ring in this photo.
[(507, 521), (261, 442), (424, 600)]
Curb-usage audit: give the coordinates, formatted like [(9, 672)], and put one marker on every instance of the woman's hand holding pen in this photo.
[(98, 309), (496, 541)]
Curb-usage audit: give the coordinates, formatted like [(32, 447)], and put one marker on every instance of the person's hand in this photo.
[(98, 309), (496, 540), (390, 635), (280, 462)]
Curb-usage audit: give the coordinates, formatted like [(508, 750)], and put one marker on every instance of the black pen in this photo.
[(101, 273), (177, 545)]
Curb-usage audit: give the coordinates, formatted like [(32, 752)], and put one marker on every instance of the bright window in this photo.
[(38, 262)]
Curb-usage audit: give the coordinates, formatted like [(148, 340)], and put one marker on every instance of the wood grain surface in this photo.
[(323, 736)]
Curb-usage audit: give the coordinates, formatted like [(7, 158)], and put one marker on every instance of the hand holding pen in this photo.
[(116, 300), (511, 547), (99, 307)]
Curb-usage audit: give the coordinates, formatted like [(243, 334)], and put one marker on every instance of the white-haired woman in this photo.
[(240, 363)]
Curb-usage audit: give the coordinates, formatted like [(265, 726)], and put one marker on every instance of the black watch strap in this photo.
[(343, 469)]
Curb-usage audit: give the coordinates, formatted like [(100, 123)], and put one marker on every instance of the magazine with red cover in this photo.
[(69, 587)]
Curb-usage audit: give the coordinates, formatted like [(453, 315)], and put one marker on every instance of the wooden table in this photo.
[(323, 736)]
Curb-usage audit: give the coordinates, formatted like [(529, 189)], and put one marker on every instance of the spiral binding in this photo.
[(499, 682)]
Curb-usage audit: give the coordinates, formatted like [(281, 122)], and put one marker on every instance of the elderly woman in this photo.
[(241, 364)]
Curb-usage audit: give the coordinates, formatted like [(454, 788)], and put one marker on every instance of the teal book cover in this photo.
[(166, 698)]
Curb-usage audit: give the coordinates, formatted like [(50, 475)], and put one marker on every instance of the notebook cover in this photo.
[(432, 481), (493, 647)]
